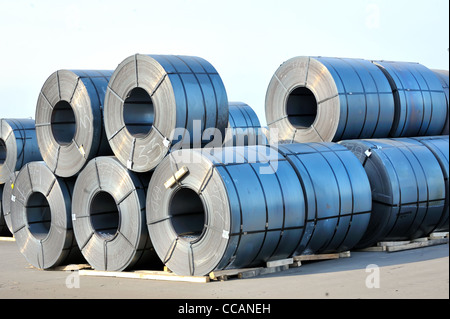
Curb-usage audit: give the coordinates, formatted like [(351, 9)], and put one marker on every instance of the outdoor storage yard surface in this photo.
[(417, 273)]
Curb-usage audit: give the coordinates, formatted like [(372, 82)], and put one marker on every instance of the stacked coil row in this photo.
[(150, 164)]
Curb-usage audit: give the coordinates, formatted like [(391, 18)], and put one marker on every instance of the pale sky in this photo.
[(245, 41)]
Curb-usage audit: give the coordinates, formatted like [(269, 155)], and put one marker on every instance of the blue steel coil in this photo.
[(18, 146), (439, 145), (420, 102), (443, 76), (69, 119), (408, 188), (243, 206), (314, 99), (244, 127)]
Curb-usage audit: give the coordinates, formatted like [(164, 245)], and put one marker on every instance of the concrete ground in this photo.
[(420, 273)]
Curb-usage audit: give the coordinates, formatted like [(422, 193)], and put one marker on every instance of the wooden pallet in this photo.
[(393, 246), (221, 275)]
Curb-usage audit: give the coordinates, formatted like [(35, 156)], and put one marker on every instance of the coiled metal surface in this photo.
[(408, 188), (109, 216), (69, 121), (6, 203), (241, 206), (439, 145), (420, 103), (314, 99), (41, 217), (18, 146), (244, 127), (443, 76), (156, 101), (337, 194)]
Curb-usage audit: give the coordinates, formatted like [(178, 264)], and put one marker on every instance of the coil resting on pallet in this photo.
[(156, 101), (314, 99), (408, 188), (41, 217), (109, 216), (443, 76), (18, 146), (420, 103), (242, 206), (69, 121), (439, 146), (244, 127)]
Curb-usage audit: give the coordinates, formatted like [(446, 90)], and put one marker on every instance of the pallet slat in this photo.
[(153, 275)]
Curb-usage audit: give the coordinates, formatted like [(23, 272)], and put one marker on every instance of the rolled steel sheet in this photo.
[(109, 216), (242, 206), (6, 201), (420, 103), (439, 145), (321, 99), (337, 194), (41, 217), (69, 120), (18, 146), (156, 103), (244, 127), (443, 76), (408, 188)]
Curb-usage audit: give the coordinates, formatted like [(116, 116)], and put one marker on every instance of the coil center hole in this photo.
[(301, 107), (63, 123), (3, 150), (104, 215), (138, 112), (188, 214), (38, 215)]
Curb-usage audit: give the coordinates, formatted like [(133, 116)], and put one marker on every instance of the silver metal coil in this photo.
[(41, 217), (6, 202), (408, 188), (109, 216), (18, 146), (420, 102), (317, 99), (69, 121), (155, 103), (238, 207), (244, 127)]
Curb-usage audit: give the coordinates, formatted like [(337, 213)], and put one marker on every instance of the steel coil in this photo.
[(155, 102), (6, 201), (443, 76), (244, 127), (313, 99), (337, 194), (408, 188), (420, 103), (69, 122), (109, 216), (41, 217), (242, 206), (439, 145), (18, 146)]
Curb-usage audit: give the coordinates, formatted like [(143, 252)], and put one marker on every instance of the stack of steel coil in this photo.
[(150, 164)]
